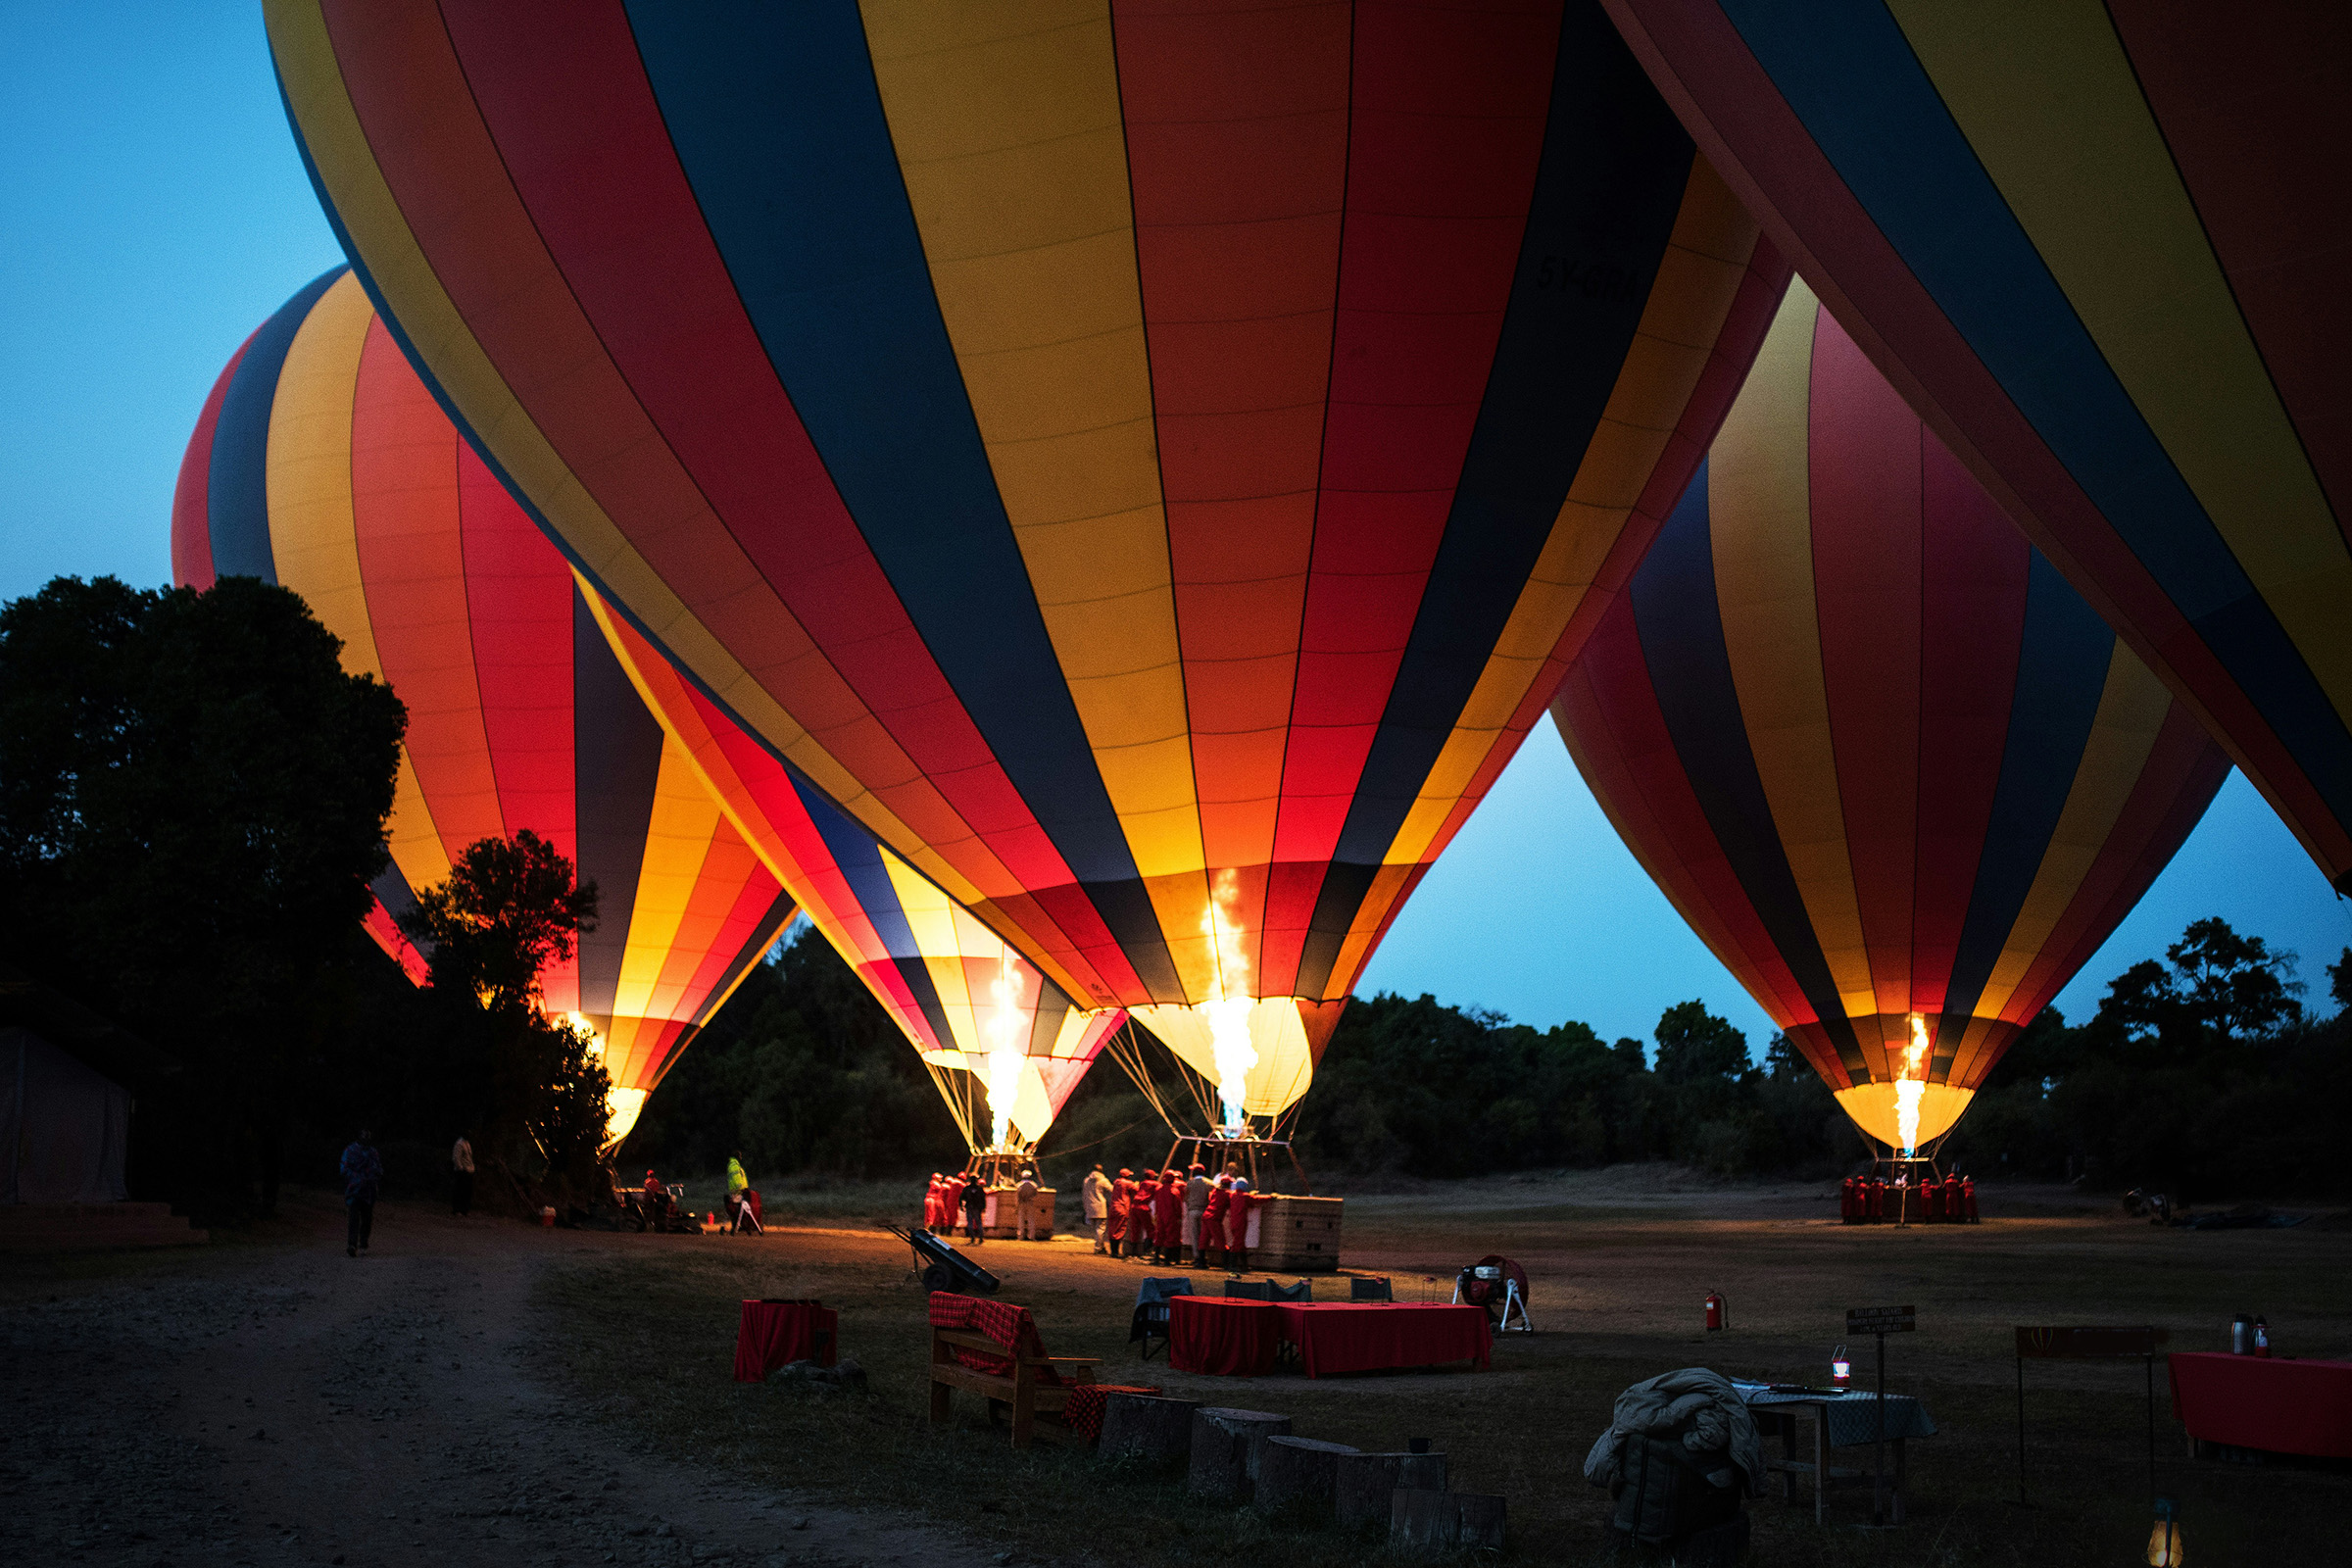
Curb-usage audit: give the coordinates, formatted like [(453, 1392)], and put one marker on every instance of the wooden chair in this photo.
[(1037, 1384)]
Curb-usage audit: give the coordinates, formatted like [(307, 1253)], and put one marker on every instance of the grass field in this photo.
[(1619, 1262)]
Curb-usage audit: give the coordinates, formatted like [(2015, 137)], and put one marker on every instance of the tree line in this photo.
[(192, 798)]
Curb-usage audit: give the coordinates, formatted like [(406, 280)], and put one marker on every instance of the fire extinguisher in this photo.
[(1718, 1317)]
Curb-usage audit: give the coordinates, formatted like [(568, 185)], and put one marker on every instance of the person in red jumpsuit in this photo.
[(1122, 1209), (931, 1205), (1213, 1223), (1167, 1220), (1139, 1216)]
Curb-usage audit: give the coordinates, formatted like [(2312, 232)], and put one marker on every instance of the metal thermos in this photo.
[(2241, 1334)]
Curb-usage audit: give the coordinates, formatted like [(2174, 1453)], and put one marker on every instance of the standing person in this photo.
[(934, 1219), (460, 1177), (1139, 1214), (1094, 1203), (1167, 1220), (362, 1177), (1122, 1208), (1236, 1226), (1196, 1202), (975, 1209), (1213, 1222), (1025, 1206), (737, 1181)]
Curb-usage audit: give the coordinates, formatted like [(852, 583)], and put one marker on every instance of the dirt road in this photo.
[(280, 1403)]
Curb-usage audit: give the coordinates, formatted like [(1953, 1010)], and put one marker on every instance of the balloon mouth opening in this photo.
[(1876, 1108), (621, 1109)]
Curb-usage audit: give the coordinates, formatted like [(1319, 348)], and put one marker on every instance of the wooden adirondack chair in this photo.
[(992, 1349)]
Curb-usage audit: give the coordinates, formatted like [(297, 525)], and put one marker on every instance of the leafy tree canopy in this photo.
[(192, 798), (509, 909), (1695, 1044)]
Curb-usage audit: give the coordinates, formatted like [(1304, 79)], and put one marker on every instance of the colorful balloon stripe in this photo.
[(2082, 240), (1150, 475), (1870, 744), (322, 463), (954, 988)]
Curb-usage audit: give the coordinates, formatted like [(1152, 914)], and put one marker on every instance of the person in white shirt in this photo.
[(461, 1181), (1196, 1205), (1094, 1196), (1025, 1204)]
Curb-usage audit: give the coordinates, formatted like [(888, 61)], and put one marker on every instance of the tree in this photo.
[(508, 908), (2215, 989), (1694, 1044), (2340, 980), (192, 798)]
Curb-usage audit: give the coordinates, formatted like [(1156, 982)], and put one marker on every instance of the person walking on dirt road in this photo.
[(460, 1177), (362, 1177)]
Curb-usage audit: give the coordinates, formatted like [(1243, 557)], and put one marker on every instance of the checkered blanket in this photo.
[(1009, 1324)]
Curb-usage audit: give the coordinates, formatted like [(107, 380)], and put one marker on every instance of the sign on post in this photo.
[(2087, 1345), (1882, 1321)]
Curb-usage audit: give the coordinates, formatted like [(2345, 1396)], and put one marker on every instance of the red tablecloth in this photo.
[(2251, 1401), (773, 1333), (1376, 1336), (1226, 1335)]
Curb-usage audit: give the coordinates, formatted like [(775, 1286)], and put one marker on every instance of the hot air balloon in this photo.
[(2101, 248), (1150, 476), (1891, 767), (978, 1013), (320, 463)]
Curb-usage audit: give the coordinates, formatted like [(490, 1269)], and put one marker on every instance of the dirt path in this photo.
[(283, 1405)]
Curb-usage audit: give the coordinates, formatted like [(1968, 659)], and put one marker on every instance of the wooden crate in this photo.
[(1001, 1221), (1297, 1236)]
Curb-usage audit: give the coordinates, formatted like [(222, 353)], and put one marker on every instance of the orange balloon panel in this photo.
[(322, 463)]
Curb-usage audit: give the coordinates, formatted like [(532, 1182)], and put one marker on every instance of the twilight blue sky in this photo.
[(156, 212)]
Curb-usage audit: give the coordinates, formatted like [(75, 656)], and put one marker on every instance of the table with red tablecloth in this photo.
[(2265, 1402), (1336, 1337), (773, 1333), (1222, 1335)]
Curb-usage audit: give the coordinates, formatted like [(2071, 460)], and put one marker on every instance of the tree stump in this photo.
[(1147, 1431), (1298, 1476), (1225, 1451), (1426, 1524), (1364, 1484)]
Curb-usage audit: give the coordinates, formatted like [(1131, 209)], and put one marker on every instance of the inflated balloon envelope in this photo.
[(2102, 247), (320, 463), (1898, 776), (1151, 478)]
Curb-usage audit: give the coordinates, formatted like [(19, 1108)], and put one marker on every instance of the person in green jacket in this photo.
[(737, 1185)]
